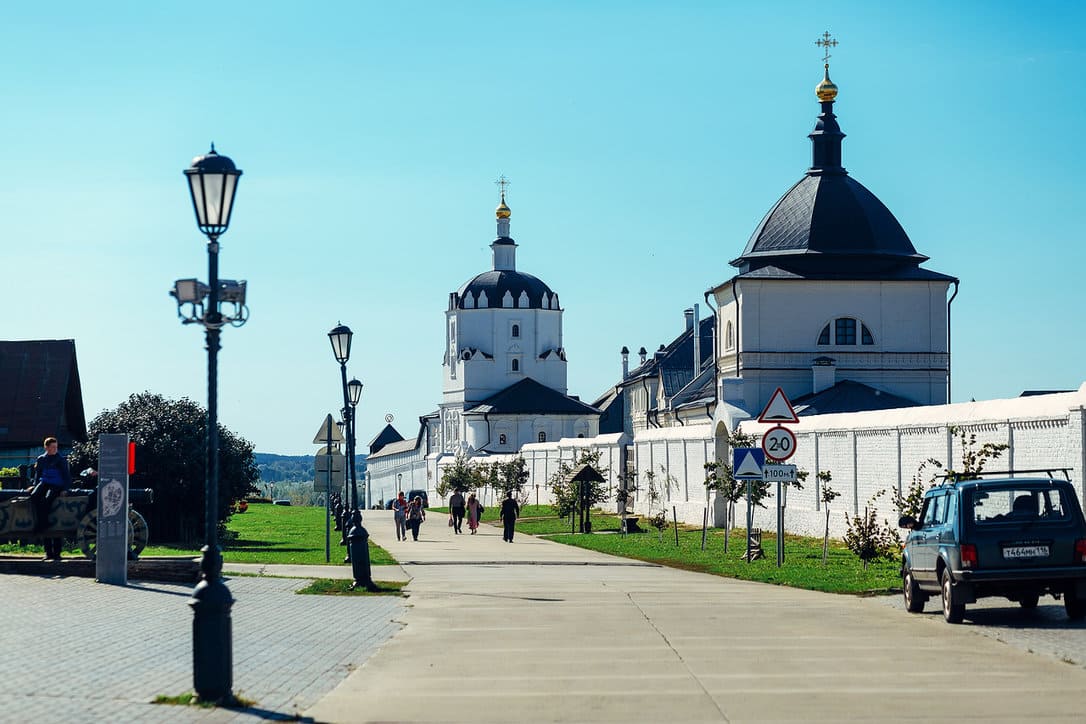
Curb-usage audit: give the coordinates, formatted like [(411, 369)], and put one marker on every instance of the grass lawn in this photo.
[(278, 534), (265, 534), (333, 587), (843, 572)]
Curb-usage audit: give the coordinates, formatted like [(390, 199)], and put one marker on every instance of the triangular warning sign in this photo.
[(779, 409), (328, 431), (748, 467)]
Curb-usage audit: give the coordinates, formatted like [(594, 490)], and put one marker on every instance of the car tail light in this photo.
[(1080, 550), (969, 555)]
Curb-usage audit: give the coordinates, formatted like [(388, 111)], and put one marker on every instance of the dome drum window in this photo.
[(844, 333), (502, 439)]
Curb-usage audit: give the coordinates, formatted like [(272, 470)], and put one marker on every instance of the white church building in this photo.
[(504, 378)]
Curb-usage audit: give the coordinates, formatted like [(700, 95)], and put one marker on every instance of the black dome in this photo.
[(497, 283), (829, 222), (830, 214)]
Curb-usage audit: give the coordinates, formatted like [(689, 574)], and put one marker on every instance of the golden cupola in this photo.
[(502, 212), (826, 90)]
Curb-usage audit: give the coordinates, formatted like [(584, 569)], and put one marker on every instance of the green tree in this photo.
[(459, 477), (510, 476), (655, 490), (827, 496), (171, 457), (868, 537), (578, 497)]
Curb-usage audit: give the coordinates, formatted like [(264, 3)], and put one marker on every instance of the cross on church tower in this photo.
[(501, 183), (826, 42)]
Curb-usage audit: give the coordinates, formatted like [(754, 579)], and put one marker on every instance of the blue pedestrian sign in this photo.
[(747, 463)]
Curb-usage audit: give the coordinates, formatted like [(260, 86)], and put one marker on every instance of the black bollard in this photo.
[(359, 548)]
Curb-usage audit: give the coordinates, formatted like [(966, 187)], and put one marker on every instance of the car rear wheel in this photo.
[(953, 611), (1075, 606), (914, 599), (1028, 601)]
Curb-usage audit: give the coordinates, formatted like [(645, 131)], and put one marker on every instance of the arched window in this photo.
[(542, 437), (729, 337), (844, 332), (516, 330), (515, 365), (501, 439)]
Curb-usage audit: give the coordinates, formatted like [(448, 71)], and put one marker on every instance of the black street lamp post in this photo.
[(212, 183), (340, 338), (354, 395)]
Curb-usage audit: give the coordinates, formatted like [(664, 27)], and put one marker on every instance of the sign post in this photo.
[(328, 434), (111, 546), (747, 464), (779, 444)]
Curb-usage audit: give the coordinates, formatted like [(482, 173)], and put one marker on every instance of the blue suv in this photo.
[(1020, 538)]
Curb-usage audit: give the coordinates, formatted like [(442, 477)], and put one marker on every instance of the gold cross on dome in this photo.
[(826, 42), (501, 183)]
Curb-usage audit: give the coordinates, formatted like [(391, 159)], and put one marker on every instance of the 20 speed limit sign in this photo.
[(779, 443)]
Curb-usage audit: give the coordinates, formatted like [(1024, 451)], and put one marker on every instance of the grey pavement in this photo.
[(76, 650), (580, 639)]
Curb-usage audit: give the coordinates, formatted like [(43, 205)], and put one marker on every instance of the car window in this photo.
[(1019, 504), (934, 511)]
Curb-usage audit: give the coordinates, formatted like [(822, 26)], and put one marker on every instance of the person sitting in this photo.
[(1023, 507), (51, 477)]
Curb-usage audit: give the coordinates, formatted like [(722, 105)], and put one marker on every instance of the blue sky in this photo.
[(644, 142)]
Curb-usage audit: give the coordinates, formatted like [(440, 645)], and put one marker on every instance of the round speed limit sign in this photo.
[(779, 443)]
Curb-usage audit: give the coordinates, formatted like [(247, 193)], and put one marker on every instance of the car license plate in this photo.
[(1018, 552)]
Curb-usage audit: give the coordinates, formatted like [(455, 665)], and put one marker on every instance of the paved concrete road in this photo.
[(580, 640)]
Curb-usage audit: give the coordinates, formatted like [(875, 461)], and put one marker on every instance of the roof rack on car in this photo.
[(953, 477)]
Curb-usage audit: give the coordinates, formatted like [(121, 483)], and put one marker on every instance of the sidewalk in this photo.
[(585, 637)]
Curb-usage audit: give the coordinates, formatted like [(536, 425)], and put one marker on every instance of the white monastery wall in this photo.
[(865, 452)]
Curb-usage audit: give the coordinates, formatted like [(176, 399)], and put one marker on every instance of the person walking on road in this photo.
[(456, 510), (509, 514), (415, 515), (399, 515), (475, 511)]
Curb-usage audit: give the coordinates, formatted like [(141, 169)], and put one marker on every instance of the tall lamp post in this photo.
[(341, 337), (212, 183), (354, 395)]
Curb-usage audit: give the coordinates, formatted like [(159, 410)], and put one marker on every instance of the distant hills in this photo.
[(293, 468)]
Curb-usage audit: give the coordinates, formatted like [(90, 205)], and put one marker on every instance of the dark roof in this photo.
[(496, 283), (700, 391), (40, 394), (848, 396), (584, 473), (828, 223), (387, 435), (1035, 393), (531, 397), (612, 407), (675, 363)]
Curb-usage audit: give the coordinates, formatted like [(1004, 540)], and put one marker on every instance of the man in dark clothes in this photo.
[(52, 477), (456, 509), (509, 514)]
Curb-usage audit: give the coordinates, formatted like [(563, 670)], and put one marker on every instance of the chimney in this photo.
[(823, 373), (689, 315), (643, 354), (697, 342), (625, 362), (660, 353)]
